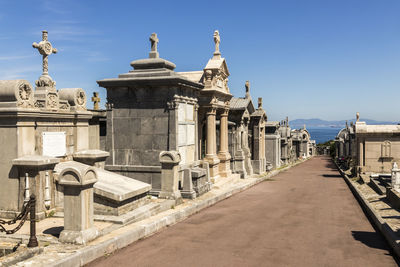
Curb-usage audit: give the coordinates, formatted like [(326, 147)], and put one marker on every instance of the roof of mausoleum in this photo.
[(238, 103), (377, 129), (151, 71)]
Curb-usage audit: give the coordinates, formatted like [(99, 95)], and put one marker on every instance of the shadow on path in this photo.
[(371, 239)]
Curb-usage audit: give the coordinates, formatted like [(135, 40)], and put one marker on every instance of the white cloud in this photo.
[(6, 58), (18, 72)]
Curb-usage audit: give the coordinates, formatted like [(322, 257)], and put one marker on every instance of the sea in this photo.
[(323, 134)]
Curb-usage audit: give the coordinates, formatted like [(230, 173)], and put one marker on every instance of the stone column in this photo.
[(78, 180), (361, 155), (223, 154), (211, 156), (169, 176)]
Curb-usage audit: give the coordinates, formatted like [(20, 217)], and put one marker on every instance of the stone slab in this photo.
[(117, 187), (35, 161)]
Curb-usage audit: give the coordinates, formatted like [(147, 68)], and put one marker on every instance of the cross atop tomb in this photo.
[(96, 100), (45, 49), (154, 42)]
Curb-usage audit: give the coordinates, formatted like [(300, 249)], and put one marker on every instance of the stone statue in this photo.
[(247, 85), (45, 49), (217, 40), (358, 116)]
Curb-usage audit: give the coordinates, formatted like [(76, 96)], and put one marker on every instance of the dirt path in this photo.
[(305, 216)]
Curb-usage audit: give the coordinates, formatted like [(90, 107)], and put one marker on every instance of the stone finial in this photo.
[(96, 100), (347, 125), (395, 177), (154, 42), (304, 127), (358, 116), (260, 102), (247, 85), (287, 121), (217, 40), (45, 49)]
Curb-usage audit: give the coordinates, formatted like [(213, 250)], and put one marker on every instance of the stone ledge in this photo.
[(389, 234), (35, 161)]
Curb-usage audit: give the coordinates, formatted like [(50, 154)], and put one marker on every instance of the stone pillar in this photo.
[(361, 155), (395, 177), (223, 154), (78, 180), (211, 156), (239, 157), (169, 175)]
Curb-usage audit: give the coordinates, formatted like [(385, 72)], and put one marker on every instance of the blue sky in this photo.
[(323, 59)]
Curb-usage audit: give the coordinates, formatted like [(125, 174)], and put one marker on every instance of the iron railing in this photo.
[(29, 207)]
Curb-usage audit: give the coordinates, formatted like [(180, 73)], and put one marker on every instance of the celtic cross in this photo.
[(45, 49)]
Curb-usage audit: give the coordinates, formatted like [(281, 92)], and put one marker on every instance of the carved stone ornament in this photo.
[(208, 75), (25, 91), (52, 100), (80, 98)]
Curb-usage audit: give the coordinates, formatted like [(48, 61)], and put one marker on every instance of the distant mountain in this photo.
[(298, 123)]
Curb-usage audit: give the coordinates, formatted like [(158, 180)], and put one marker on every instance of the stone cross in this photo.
[(45, 49), (96, 100), (247, 85), (217, 40), (154, 42)]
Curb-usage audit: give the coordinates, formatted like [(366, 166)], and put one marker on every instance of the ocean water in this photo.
[(323, 134)]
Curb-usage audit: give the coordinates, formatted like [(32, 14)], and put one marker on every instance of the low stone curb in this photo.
[(90, 253), (391, 237)]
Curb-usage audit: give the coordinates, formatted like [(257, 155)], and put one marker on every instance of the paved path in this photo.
[(305, 216)]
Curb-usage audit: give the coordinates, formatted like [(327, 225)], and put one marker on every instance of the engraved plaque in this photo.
[(190, 134), (182, 135), (181, 112), (189, 112), (54, 144)]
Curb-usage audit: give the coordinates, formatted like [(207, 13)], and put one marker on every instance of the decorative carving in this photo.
[(172, 105), (25, 91), (208, 74), (45, 81), (80, 97), (64, 105), (45, 49), (52, 100), (40, 103)]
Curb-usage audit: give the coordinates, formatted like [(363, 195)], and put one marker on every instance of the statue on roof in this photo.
[(217, 40)]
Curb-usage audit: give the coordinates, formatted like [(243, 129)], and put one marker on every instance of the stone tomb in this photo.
[(257, 123), (240, 110), (41, 129), (152, 109), (273, 143), (214, 103)]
